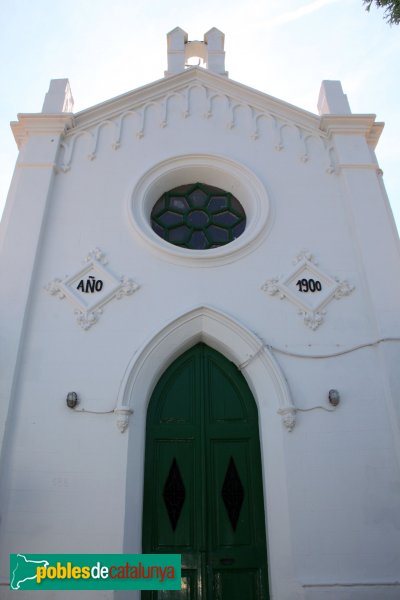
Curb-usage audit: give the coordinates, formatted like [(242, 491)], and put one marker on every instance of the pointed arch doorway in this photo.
[(203, 493)]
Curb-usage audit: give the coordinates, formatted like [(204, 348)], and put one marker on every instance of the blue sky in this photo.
[(284, 49)]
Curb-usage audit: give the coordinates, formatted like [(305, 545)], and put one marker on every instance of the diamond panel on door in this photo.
[(174, 494), (232, 493)]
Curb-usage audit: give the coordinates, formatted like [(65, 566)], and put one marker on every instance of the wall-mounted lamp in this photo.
[(334, 397), (72, 399)]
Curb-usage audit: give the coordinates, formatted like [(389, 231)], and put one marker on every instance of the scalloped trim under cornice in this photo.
[(179, 89), (218, 83)]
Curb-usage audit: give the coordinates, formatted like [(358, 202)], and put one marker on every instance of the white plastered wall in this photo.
[(71, 480)]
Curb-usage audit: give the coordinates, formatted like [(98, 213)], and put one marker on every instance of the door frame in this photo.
[(271, 394)]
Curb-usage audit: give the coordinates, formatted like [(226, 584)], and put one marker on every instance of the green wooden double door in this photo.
[(203, 493)]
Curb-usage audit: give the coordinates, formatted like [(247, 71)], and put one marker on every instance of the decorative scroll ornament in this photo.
[(309, 288), (90, 288)]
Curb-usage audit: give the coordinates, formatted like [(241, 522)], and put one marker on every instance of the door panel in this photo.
[(237, 585), (177, 462), (203, 485), (231, 519)]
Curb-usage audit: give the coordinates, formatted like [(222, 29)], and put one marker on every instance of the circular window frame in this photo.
[(212, 170)]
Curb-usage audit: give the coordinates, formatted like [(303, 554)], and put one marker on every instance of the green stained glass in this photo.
[(198, 216)]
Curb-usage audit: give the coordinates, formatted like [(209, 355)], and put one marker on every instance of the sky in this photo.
[(283, 48)]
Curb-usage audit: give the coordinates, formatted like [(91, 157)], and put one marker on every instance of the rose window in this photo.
[(198, 216)]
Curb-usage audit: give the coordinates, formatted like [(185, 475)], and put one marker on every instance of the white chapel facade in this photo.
[(199, 324)]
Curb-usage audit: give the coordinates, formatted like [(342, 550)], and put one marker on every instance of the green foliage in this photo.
[(392, 9)]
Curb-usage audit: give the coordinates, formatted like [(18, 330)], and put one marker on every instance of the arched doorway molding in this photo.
[(269, 387), (224, 334)]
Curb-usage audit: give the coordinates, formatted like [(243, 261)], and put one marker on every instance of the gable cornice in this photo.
[(219, 84), (283, 116)]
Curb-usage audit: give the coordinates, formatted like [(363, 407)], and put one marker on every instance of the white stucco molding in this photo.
[(40, 124), (215, 170), (88, 308), (195, 92), (353, 125), (311, 303), (224, 334), (197, 76)]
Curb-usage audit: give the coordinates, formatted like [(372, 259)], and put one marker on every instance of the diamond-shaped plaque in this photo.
[(309, 288), (90, 288)]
